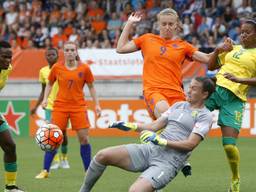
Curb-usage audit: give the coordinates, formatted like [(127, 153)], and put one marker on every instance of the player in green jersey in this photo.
[(237, 72), (6, 141)]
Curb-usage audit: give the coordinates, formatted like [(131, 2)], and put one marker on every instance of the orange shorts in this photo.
[(152, 97), (79, 120)]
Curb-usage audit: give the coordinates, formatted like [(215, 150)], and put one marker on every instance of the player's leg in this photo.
[(160, 107), (132, 157), (56, 160), (162, 99), (116, 156), (10, 164), (85, 147), (60, 119), (156, 103), (141, 185), (60, 160), (80, 123), (48, 158), (230, 120), (233, 156), (154, 178), (64, 150)]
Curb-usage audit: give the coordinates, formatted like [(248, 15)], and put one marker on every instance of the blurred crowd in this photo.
[(29, 24)]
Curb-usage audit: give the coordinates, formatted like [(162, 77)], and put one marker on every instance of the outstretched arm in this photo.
[(213, 64), (226, 46), (184, 145), (124, 45), (156, 125), (211, 58), (200, 130), (201, 57)]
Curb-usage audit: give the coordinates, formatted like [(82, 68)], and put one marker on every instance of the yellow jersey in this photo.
[(241, 63), (43, 78), (4, 76)]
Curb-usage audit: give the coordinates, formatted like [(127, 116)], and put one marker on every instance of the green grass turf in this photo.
[(210, 169)]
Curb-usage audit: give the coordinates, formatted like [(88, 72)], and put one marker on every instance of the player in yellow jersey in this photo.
[(237, 72), (6, 141), (51, 56)]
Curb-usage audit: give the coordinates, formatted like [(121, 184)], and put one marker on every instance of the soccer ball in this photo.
[(49, 137)]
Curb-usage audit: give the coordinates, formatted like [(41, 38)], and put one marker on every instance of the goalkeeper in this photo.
[(160, 157)]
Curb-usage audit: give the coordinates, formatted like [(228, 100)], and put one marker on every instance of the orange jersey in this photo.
[(70, 97), (162, 61)]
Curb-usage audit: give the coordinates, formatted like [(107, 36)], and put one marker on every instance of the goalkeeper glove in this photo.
[(124, 126), (149, 136)]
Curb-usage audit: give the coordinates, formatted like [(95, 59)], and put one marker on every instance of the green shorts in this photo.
[(48, 115), (3, 124), (229, 105)]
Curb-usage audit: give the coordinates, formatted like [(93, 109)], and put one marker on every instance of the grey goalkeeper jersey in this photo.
[(182, 121)]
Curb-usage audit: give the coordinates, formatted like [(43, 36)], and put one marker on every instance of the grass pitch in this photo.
[(210, 169)]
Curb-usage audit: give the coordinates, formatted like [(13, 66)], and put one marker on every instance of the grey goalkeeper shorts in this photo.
[(156, 164)]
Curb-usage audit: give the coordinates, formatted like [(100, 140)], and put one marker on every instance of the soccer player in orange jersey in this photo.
[(69, 103), (60, 160), (163, 57)]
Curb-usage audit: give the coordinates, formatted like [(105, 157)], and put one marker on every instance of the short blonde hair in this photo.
[(168, 11), (172, 12)]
